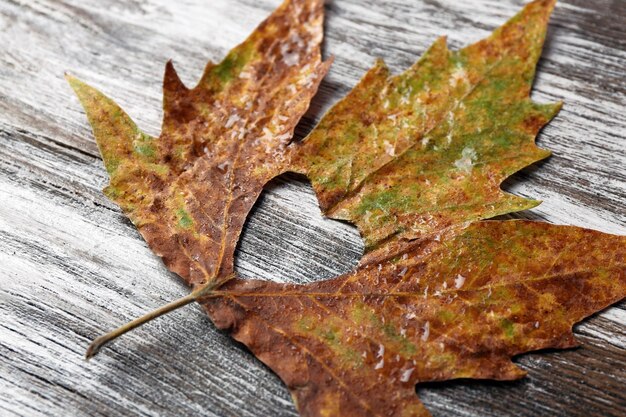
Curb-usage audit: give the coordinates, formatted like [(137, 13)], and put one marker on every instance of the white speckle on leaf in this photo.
[(459, 281), (406, 375), (451, 127), (459, 75), (267, 136), (308, 80), (284, 137), (234, 118), (536, 325), (426, 331), (296, 39), (466, 161), (381, 351), (380, 364), (389, 148), (290, 58)]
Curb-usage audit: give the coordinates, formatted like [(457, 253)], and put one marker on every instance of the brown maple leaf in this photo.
[(416, 162), (190, 190)]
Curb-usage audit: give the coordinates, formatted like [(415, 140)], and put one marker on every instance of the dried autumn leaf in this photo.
[(416, 161), (457, 306), (189, 191), (430, 147)]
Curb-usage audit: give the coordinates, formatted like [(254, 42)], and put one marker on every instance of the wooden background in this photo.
[(72, 266)]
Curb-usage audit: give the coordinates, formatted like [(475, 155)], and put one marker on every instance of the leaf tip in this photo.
[(531, 203), (380, 66), (542, 154), (559, 105), (550, 3), (171, 80), (84, 91), (72, 81)]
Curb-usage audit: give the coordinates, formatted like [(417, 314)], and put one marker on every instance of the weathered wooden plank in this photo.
[(71, 265)]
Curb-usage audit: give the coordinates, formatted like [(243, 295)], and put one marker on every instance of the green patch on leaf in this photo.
[(184, 219)]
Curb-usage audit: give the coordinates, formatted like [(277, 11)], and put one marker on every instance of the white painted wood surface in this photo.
[(72, 266)]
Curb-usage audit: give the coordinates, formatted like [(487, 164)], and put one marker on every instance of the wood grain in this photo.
[(72, 266)]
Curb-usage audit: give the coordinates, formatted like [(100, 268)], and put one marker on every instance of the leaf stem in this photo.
[(99, 342), (201, 292)]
